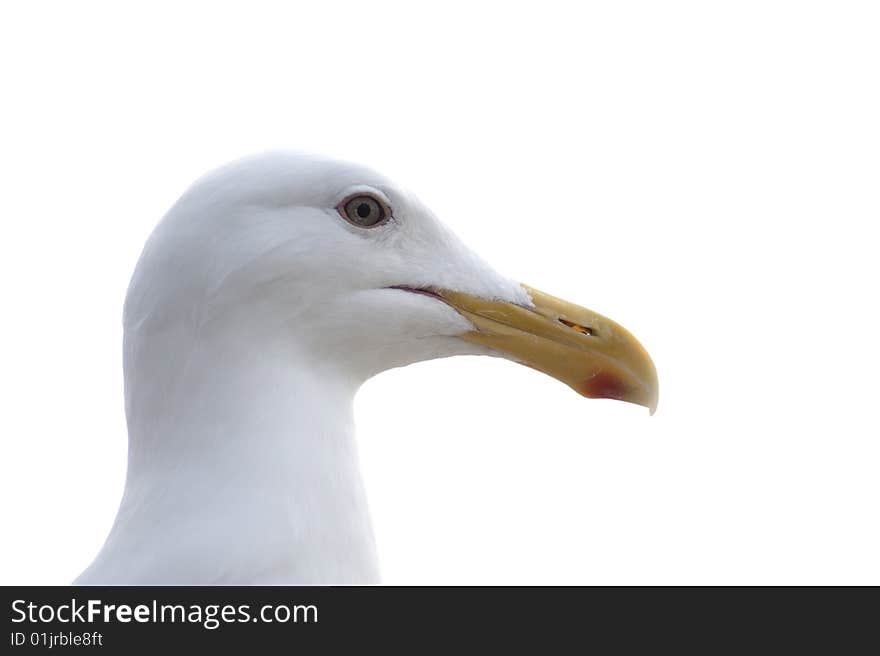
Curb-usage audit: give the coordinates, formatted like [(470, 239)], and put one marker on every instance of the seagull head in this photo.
[(340, 267)]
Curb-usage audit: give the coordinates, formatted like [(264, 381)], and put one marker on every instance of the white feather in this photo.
[(253, 316)]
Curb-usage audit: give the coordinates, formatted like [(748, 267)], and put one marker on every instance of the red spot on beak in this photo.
[(604, 386)]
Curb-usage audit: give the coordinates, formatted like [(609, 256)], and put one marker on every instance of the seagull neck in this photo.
[(243, 468)]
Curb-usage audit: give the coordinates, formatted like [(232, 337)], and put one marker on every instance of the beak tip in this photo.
[(653, 397)]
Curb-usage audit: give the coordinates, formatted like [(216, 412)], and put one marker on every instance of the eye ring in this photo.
[(364, 210)]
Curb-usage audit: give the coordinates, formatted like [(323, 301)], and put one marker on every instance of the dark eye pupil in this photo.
[(363, 210)]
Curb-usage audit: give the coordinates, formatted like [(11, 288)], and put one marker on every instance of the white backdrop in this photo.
[(704, 173)]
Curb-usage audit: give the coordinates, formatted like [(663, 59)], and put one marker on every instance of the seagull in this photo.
[(272, 289)]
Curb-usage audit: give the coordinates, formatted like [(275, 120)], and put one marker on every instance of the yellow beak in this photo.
[(595, 356)]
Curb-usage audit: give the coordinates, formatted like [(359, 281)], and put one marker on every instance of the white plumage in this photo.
[(253, 316)]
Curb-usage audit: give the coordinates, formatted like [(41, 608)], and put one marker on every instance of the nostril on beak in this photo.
[(583, 330)]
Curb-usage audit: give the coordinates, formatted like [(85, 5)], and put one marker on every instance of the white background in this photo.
[(704, 173)]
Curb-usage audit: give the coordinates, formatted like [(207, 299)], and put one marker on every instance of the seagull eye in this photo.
[(363, 211)]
